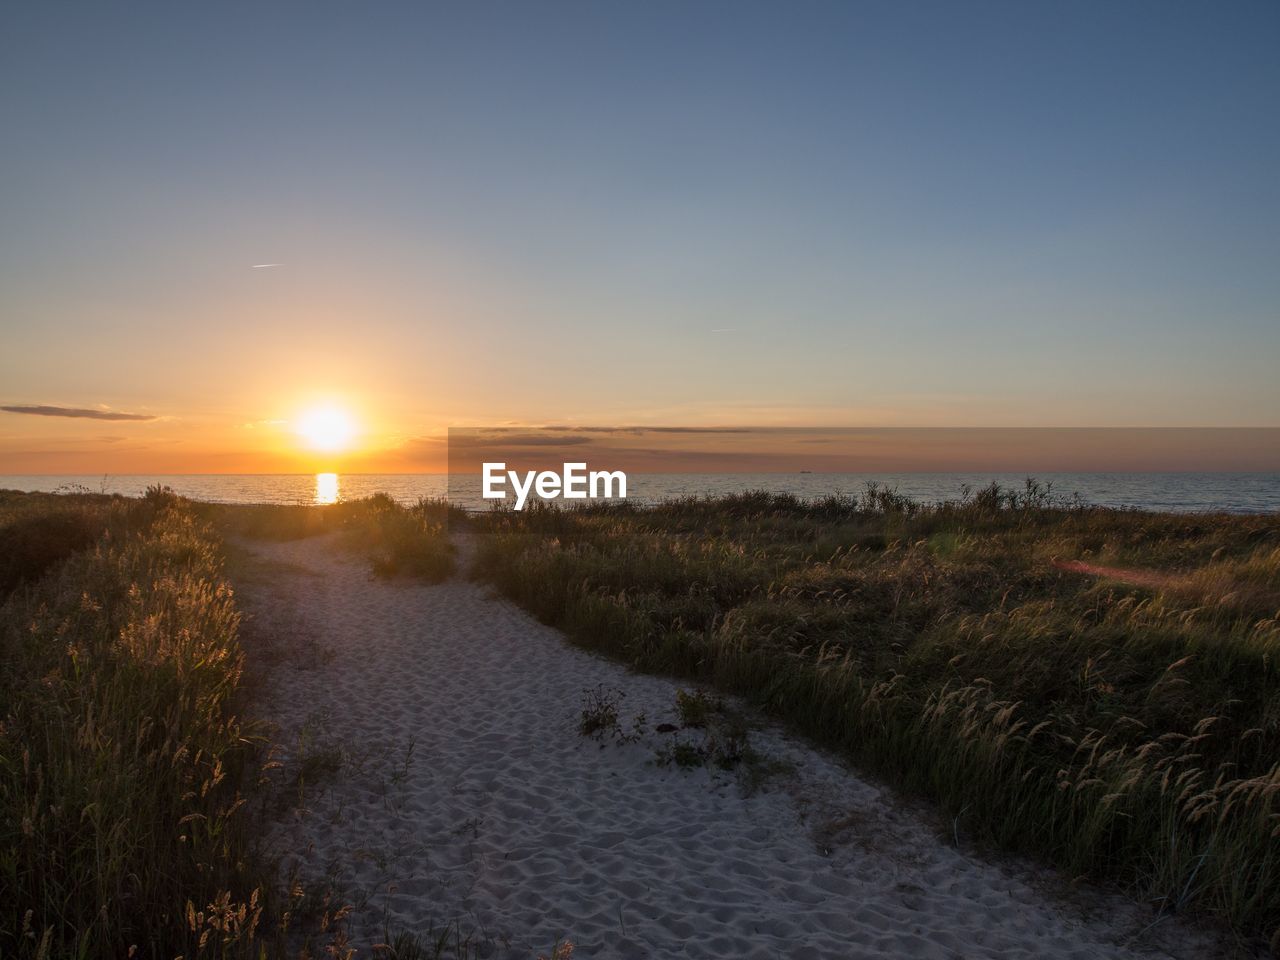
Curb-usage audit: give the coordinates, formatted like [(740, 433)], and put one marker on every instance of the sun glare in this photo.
[(328, 429)]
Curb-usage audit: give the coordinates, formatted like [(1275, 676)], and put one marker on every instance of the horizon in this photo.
[(789, 450)]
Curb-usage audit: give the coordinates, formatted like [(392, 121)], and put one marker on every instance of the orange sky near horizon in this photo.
[(88, 441)]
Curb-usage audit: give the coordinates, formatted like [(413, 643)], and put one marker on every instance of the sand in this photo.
[(448, 786)]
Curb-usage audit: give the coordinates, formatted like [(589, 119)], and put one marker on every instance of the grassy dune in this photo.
[(121, 753), (1097, 687), (129, 779)]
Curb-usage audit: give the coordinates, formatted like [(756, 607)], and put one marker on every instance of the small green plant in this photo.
[(601, 718), (560, 950), (725, 740), (400, 774), (728, 748), (697, 708), (315, 767), (599, 712), (683, 754), (435, 944)]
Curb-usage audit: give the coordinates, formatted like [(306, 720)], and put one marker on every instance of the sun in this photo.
[(327, 428)]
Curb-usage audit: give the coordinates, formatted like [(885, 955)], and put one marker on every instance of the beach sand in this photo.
[(448, 786)]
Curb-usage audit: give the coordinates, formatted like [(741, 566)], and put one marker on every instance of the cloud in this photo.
[(702, 429), (640, 430), (516, 440), (44, 410)]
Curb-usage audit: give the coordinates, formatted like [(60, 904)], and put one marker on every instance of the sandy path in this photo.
[(467, 795)]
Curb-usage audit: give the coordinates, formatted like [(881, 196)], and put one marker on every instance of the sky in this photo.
[(215, 218)]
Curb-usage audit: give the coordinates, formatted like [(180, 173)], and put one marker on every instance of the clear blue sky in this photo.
[(855, 213)]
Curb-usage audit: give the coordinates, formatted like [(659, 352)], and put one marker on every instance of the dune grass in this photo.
[(130, 785), (39, 530), (122, 754), (1125, 726), (1095, 687), (132, 789), (401, 541)]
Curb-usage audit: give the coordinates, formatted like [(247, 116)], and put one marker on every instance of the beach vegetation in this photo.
[(400, 540), (1096, 687), (123, 755), (601, 716), (696, 707)]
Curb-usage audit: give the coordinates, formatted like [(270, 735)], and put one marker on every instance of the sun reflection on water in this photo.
[(326, 488)]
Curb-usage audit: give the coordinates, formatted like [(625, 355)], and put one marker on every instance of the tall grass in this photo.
[(131, 788), (1126, 727), (408, 541), (38, 531), (122, 754), (402, 541)]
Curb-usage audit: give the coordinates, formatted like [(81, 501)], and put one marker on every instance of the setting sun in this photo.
[(328, 429)]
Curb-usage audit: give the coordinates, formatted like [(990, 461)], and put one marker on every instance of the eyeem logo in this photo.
[(574, 482)]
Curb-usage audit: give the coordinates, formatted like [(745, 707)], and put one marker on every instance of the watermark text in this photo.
[(573, 482)]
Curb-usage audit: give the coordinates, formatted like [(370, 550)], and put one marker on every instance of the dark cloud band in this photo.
[(42, 410)]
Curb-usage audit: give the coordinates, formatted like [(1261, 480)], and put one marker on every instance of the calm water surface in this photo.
[(1234, 492)]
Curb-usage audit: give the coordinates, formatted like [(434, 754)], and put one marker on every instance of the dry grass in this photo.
[(401, 541), (1125, 728), (130, 783), (122, 753), (1097, 687)]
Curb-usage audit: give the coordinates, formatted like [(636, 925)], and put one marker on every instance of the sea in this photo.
[(1176, 492)]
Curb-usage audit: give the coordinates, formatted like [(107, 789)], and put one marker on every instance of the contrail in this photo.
[(259, 266)]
